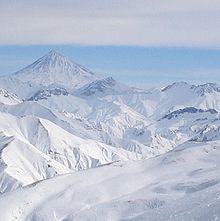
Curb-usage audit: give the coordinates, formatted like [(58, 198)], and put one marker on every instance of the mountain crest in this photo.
[(181, 84), (52, 61), (55, 68), (208, 88), (201, 89), (54, 57), (102, 87)]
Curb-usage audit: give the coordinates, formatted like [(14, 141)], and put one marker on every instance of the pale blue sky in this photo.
[(139, 66)]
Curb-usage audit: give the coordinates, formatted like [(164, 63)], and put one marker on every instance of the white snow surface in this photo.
[(59, 118), (183, 184), (8, 98), (54, 68)]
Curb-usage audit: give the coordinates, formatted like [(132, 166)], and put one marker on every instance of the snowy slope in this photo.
[(8, 98), (139, 123), (54, 68), (102, 87), (156, 103), (180, 185), (34, 149), (106, 110), (57, 117), (122, 117), (21, 89)]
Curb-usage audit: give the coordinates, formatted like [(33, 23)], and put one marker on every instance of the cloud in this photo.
[(157, 23)]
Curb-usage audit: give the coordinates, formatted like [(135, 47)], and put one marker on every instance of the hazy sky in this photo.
[(143, 42)]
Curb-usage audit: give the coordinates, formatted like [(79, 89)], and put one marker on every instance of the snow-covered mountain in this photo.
[(35, 149), (54, 68), (102, 87), (57, 117), (50, 71), (180, 185)]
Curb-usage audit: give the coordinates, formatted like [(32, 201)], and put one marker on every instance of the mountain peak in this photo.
[(51, 62), (183, 87), (55, 68), (207, 88), (55, 55), (54, 52), (102, 87), (178, 85)]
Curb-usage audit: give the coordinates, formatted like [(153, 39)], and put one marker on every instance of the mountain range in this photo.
[(59, 118)]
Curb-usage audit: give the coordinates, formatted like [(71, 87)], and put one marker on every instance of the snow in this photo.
[(180, 185), (8, 98), (49, 69), (107, 150), (37, 149)]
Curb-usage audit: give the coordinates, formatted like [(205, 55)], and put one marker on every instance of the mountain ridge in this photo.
[(54, 68), (58, 118)]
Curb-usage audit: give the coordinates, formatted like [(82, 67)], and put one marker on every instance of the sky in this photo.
[(143, 42)]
